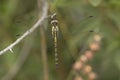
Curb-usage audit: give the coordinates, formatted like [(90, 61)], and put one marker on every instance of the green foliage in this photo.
[(17, 16)]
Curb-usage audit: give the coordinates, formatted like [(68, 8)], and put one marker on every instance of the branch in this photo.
[(43, 46), (25, 51), (37, 24)]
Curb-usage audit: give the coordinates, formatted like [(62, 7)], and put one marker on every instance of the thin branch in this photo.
[(37, 24), (44, 54), (43, 45), (20, 61)]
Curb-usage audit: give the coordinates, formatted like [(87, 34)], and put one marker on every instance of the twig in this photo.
[(44, 54), (37, 24), (43, 45), (20, 61)]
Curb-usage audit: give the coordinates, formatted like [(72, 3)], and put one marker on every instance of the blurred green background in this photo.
[(26, 63)]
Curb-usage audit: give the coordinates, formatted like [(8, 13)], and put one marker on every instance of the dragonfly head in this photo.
[(54, 21)]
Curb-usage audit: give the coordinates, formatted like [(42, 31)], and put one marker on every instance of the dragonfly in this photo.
[(55, 31)]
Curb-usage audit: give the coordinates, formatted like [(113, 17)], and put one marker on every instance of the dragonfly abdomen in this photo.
[(55, 31)]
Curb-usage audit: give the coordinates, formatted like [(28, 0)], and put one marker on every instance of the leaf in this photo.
[(95, 2)]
